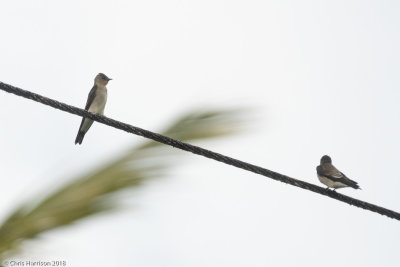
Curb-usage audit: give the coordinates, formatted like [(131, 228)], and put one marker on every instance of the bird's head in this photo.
[(101, 79), (326, 159)]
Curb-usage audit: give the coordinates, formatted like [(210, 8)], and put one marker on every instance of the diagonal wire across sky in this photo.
[(199, 151)]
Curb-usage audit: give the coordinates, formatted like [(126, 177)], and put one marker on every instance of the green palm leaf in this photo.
[(91, 194)]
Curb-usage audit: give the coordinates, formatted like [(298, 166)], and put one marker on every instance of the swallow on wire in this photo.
[(95, 103), (332, 177)]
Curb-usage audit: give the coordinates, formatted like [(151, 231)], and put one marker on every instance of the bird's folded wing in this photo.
[(335, 175), (91, 96)]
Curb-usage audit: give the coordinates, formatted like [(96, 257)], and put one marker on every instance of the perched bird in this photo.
[(332, 177), (95, 103)]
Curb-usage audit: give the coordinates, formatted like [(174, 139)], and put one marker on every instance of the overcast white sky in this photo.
[(324, 75)]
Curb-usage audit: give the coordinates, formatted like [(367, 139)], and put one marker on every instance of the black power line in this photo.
[(199, 151)]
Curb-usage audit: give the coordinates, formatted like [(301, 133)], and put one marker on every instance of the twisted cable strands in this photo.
[(199, 151)]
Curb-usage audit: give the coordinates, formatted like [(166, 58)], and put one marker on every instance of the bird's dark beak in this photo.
[(109, 79)]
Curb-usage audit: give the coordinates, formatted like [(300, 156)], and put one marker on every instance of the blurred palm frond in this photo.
[(90, 194)]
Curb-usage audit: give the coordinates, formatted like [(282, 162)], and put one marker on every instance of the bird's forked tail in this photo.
[(79, 137)]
